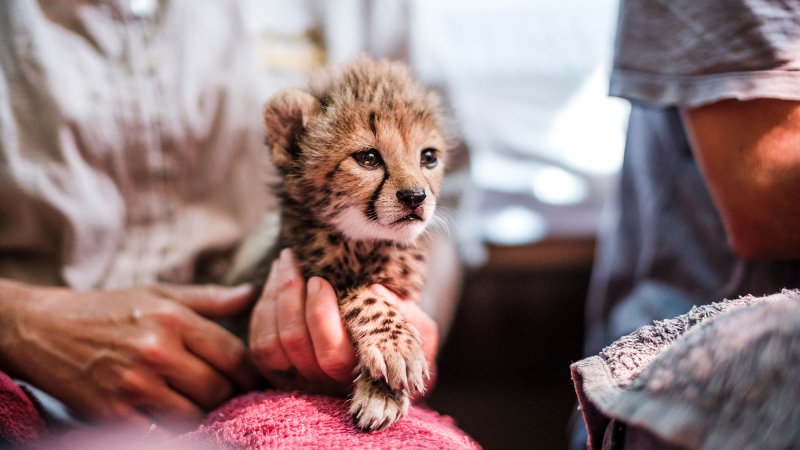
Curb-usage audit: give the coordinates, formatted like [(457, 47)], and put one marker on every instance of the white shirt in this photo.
[(130, 140)]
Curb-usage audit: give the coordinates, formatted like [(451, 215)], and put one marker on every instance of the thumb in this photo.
[(209, 300)]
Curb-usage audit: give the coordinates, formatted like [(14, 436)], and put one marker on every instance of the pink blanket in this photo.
[(19, 419), (267, 419), (296, 420)]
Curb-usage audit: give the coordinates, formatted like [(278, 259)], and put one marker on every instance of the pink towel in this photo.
[(19, 418), (290, 420), (260, 420)]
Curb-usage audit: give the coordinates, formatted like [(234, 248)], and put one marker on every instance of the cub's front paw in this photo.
[(393, 353), (375, 405)]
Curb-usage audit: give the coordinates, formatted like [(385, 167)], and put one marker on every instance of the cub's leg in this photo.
[(391, 363)]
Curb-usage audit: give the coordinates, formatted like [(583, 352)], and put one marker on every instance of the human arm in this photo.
[(135, 356), (749, 154)]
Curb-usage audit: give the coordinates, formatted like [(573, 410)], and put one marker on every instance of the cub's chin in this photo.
[(403, 229)]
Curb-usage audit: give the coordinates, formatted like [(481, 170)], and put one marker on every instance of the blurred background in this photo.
[(541, 144)]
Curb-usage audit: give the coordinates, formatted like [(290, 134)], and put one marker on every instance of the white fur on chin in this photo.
[(353, 224)]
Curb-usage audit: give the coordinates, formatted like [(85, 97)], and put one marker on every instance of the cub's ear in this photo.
[(285, 116)]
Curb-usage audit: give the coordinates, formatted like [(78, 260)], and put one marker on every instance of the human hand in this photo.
[(298, 338), (135, 356)]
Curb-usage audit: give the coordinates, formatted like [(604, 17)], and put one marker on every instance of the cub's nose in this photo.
[(411, 197)]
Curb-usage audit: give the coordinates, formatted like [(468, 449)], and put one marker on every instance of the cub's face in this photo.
[(371, 166), (383, 178)]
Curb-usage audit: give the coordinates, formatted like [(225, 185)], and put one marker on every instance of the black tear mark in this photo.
[(370, 212)]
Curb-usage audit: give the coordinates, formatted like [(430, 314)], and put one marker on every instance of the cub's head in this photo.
[(363, 150)]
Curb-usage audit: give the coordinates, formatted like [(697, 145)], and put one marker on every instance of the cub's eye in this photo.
[(428, 158), (369, 158)]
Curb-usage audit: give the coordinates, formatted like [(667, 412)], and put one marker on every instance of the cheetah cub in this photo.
[(361, 155)]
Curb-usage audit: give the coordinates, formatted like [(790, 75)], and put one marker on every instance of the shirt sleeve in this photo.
[(694, 52)]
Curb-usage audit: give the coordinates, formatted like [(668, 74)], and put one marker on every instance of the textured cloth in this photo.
[(130, 139), (690, 52), (662, 246), (291, 420), (260, 420), (20, 421), (724, 375)]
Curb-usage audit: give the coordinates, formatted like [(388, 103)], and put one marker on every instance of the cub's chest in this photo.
[(348, 264)]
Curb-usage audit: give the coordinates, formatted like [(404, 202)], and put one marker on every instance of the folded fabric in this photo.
[(20, 421), (291, 420), (267, 419), (724, 375)]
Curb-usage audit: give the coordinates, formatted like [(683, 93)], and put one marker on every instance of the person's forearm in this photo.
[(14, 297), (749, 153)]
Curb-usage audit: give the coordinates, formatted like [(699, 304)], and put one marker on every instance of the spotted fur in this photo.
[(357, 225)]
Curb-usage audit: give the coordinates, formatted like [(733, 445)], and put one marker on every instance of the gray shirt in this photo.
[(662, 244)]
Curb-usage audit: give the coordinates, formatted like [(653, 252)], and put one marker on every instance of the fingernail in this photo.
[(314, 286), (378, 289), (273, 269), (285, 264)]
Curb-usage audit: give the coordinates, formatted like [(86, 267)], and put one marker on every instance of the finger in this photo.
[(209, 300), (265, 344), (219, 348), (427, 327), (332, 346), (292, 328), (198, 381), (381, 291), (171, 409), (124, 413)]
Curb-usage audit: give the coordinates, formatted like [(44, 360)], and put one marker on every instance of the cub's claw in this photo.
[(374, 405)]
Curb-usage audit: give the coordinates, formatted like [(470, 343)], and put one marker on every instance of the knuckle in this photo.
[(151, 350), (168, 314), (132, 384), (265, 345), (294, 338)]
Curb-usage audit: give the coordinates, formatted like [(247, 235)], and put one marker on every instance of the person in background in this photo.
[(708, 205), (131, 165)]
